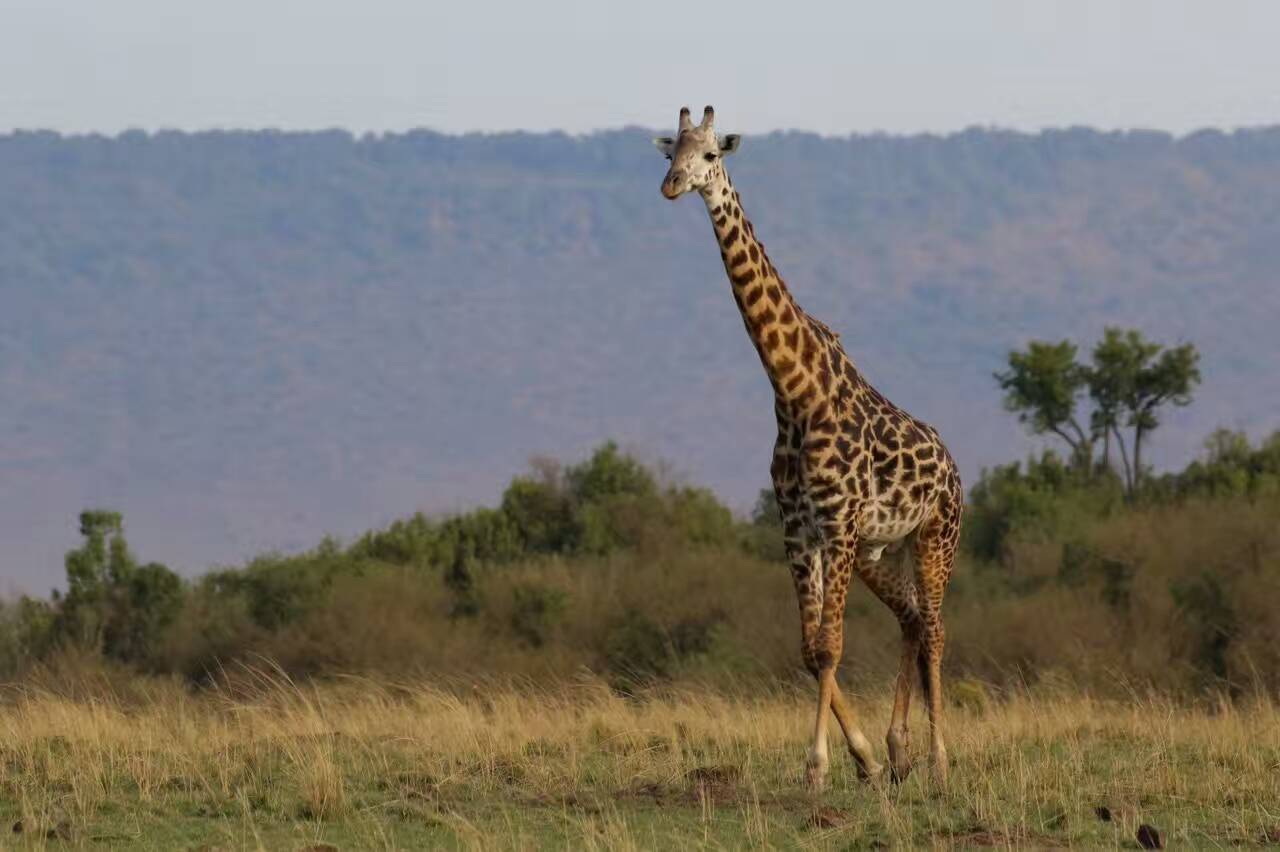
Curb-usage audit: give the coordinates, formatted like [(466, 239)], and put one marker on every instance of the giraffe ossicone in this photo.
[(863, 487)]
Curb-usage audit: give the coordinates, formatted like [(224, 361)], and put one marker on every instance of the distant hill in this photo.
[(245, 339)]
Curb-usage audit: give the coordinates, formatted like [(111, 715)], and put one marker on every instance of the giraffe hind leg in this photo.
[(888, 580), (935, 552)]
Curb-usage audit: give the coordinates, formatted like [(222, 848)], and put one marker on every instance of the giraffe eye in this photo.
[(709, 157), (666, 157)]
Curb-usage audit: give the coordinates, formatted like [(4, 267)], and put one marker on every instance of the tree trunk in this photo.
[(1137, 457), (1074, 455), (1082, 450), (1124, 457)]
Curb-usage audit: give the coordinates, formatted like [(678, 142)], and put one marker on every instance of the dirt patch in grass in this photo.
[(981, 836), (712, 784)]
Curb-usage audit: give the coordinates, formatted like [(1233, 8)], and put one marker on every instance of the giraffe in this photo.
[(863, 487)]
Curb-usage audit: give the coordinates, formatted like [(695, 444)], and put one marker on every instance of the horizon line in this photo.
[(374, 135)]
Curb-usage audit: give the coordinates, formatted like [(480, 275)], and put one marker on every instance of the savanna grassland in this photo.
[(610, 660), (359, 763), (608, 657)]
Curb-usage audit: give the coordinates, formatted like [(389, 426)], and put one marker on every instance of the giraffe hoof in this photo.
[(871, 774), (899, 772), (815, 779)]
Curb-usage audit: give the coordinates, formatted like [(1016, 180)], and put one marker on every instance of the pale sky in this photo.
[(833, 67)]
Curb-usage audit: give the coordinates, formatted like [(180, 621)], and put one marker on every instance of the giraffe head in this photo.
[(694, 154)]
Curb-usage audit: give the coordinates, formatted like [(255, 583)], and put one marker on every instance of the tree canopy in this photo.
[(1128, 383)]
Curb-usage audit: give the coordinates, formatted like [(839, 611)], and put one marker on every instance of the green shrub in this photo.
[(536, 611), (1211, 620), (646, 582), (609, 473), (541, 512), (637, 650), (1045, 496)]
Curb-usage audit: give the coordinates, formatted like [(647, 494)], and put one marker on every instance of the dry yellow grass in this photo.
[(364, 764)]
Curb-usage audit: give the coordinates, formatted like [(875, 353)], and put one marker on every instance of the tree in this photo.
[(112, 604), (1167, 380), (142, 607), (1130, 380), (99, 562), (1042, 385), (1117, 359)]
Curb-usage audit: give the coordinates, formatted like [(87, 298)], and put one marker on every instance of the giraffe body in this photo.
[(863, 487)]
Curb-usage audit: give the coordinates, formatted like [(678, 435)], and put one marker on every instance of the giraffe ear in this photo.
[(665, 144), (729, 143)]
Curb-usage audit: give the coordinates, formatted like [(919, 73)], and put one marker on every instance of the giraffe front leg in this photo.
[(869, 769), (838, 564), (806, 566), (806, 573), (818, 761)]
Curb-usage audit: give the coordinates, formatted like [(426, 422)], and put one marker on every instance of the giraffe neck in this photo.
[(791, 347)]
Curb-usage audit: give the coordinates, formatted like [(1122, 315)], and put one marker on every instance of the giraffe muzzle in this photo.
[(671, 187)]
